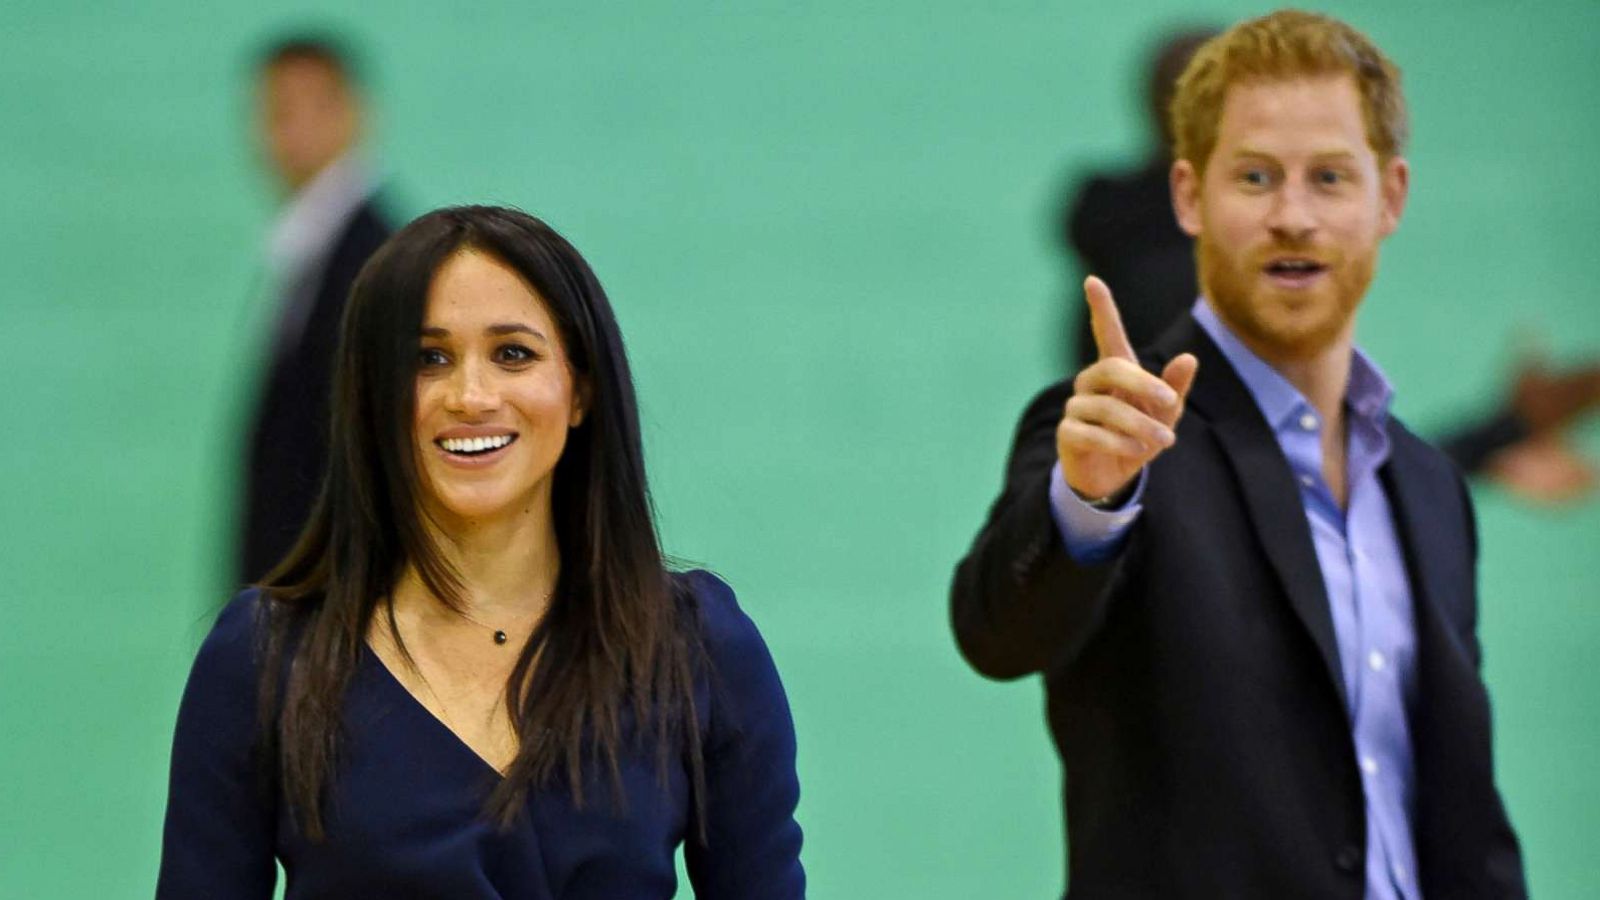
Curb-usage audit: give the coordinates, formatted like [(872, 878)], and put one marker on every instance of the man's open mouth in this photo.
[(1294, 269)]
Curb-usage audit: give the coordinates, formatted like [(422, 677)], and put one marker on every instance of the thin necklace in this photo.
[(500, 636)]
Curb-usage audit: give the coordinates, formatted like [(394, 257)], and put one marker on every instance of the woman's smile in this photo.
[(475, 447)]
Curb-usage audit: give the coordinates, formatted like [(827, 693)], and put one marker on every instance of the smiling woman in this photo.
[(473, 676)]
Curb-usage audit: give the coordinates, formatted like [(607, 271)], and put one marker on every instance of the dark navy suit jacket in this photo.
[(1193, 683), (287, 450)]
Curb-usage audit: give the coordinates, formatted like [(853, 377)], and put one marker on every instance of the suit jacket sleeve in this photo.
[(1019, 604), (1503, 862), (1471, 445)]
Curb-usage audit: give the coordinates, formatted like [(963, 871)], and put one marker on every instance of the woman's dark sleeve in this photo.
[(218, 837), (752, 841)]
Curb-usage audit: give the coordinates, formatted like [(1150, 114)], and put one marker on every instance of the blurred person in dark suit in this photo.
[(1120, 226), (310, 124)]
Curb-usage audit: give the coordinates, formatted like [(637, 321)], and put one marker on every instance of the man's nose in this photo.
[(1292, 215)]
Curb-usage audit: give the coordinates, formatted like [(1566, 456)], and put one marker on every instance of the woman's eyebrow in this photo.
[(515, 328), (497, 330)]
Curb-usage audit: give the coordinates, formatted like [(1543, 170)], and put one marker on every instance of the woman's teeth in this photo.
[(476, 444)]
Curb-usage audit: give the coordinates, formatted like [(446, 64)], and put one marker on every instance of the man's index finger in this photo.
[(1109, 337)]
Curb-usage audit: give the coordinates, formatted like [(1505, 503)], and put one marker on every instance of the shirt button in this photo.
[(1376, 661), (1308, 422), (1308, 481), (1369, 765)]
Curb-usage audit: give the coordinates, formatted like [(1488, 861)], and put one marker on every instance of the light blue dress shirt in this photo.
[(1363, 571)]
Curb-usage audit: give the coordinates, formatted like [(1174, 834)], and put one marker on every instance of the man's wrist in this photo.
[(1091, 534), (1114, 500)]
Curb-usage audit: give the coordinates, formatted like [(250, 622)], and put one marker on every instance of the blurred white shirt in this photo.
[(303, 236)]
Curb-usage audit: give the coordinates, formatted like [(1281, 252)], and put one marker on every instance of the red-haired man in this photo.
[(1249, 588)]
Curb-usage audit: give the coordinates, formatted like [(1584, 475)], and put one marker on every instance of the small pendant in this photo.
[(499, 637)]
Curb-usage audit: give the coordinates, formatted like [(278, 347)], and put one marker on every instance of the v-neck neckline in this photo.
[(417, 705)]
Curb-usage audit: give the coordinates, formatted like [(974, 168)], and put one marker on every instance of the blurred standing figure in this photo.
[(310, 125), (1120, 224)]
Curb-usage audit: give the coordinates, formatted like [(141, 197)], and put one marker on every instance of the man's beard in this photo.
[(1264, 316)]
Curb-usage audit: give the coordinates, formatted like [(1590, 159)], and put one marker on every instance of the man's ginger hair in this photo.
[(1284, 45)]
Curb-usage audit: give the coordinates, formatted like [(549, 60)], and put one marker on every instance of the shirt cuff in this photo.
[(1091, 535)]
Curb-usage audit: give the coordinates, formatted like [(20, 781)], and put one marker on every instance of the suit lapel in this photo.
[(1266, 482), (1426, 549)]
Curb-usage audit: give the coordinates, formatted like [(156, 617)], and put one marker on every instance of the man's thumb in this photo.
[(1179, 373)]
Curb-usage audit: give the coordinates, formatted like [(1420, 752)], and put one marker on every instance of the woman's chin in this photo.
[(473, 510), (469, 500)]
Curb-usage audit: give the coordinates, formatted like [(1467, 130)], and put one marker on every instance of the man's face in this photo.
[(1289, 213), (308, 119)]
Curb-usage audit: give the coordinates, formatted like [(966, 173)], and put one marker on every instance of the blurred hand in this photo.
[(1119, 417), (1550, 399), (1543, 469)]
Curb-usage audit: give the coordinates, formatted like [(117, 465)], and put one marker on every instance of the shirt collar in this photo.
[(313, 216), (1367, 396)]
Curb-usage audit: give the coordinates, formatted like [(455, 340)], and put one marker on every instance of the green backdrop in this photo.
[(826, 228)]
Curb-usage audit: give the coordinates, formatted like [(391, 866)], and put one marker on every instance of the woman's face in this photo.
[(495, 395)]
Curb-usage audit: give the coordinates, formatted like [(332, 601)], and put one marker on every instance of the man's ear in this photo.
[(1394, 186), (1185, 183)]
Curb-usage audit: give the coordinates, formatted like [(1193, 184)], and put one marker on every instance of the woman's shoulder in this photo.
[(724, 626), (232, 648), (237, 626), (744, 676), (216, 709)]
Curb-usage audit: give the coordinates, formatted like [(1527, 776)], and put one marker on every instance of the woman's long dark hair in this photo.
[(616, 637)]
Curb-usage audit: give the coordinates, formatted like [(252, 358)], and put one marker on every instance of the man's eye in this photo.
[(428, 358), (1329, 177), (1254, 178)]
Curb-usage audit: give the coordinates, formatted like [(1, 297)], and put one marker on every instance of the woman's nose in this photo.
[(472, 390)]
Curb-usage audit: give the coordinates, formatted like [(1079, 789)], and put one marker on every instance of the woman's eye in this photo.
[(428, 358), (515, 353)]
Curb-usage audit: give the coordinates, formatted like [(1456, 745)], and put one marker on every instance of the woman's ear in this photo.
[(582, 394)]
